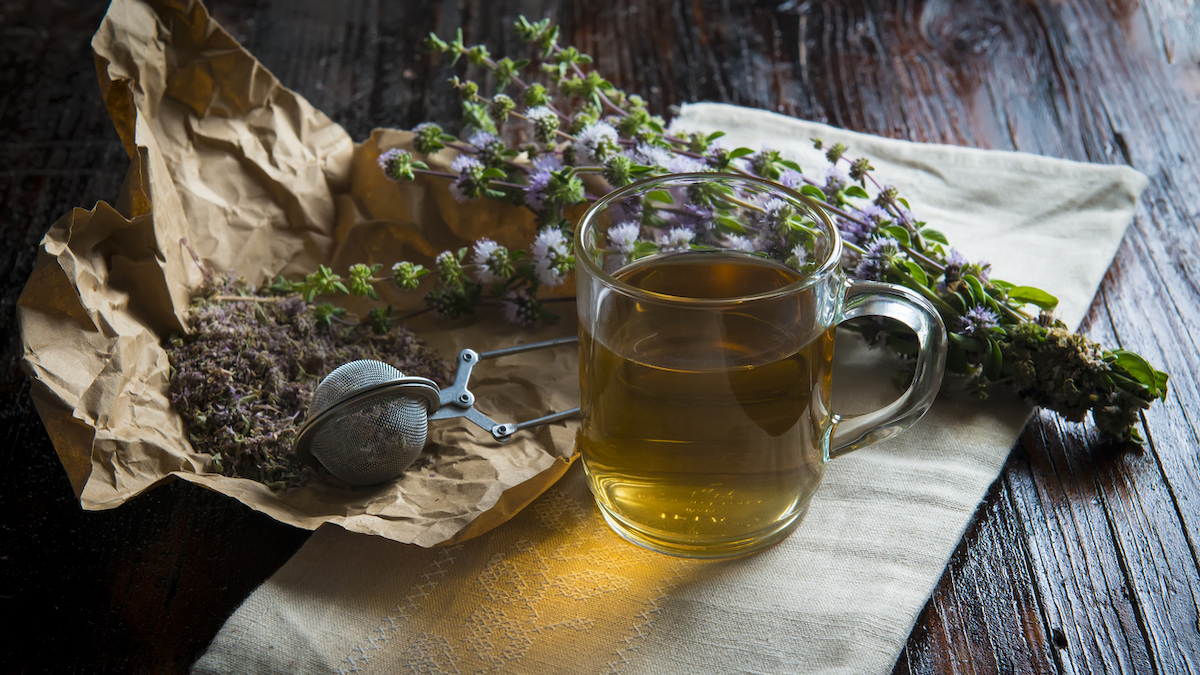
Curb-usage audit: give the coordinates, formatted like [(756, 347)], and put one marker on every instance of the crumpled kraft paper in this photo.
[(227, 161)]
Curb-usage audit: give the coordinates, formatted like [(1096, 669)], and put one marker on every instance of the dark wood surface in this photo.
[(1082, 559)]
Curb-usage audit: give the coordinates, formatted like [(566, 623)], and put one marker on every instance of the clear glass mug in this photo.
[(707, 308)]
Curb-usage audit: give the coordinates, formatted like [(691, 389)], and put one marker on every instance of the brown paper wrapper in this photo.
[(258, 183)]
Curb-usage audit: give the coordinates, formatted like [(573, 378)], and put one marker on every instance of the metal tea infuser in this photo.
[(368, 422)]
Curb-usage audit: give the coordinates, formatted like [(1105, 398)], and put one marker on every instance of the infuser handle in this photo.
[(458, 400)]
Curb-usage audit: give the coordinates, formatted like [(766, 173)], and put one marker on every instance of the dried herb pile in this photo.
[(243, 377)]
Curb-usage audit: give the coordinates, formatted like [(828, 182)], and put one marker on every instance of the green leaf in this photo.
[(994, 364), (967, 344), (494, 173), (898, 233), (1033, 296), (739, 152), (958, 301), (731, 223), (856, 191), (1142, 371), (814, 192), (282, 285), (956, 359), (934, 235), (976, 289), (916, 272), (660, 196), (790, 164), (643, 249)]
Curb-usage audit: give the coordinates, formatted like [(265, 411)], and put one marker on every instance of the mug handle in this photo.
[(870, 298)]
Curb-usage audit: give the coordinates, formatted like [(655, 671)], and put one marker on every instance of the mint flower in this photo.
[(736, 242), (798, 258), (765, 163), (490, 147), (791, 179), (652, 155), (398, 164), (492, 262), (624, 237), (616, 170), (859, 233), (859, 169), (547, 163), (875, 214), (957, 267), (776, 213), (470, 182), (596, 143), (978, 321), (699, 218), (536, 95), (428, 138), (685, 164), (676, 239), (520, 308), (776, 225), (481, 139), (551, 256), (535, 190), (450, 268), (836, 180), (881, 254), (408, 275), (501, 105), (545, 123)]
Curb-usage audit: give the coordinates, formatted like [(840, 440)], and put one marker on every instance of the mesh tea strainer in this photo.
[(368, 422)]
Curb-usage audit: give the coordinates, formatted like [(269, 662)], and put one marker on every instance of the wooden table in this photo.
[(1082, 559)]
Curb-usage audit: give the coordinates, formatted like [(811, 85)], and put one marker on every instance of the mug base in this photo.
[(705, 550)]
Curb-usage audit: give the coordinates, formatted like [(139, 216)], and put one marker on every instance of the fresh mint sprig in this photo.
[(558, 122)]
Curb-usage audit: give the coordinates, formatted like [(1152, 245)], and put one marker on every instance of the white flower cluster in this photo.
[(551, 256)]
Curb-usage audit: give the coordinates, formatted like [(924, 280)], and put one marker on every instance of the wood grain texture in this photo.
[(1083, 557)]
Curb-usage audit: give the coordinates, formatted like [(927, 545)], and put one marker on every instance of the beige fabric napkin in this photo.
[(554, 591)]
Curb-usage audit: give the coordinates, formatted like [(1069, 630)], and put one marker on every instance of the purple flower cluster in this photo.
[(878, 258), (866, 221), (978, 321), (469, 182)]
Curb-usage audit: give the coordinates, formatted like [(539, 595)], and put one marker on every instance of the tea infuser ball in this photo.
[(379, 421), (368, 422)]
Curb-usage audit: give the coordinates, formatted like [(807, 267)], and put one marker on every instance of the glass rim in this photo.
[(831, 262)]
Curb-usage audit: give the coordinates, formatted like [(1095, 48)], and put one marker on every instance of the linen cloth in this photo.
[(555, 591)]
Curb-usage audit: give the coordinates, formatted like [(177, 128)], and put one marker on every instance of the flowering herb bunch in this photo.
[(556, 135), (244, 376)]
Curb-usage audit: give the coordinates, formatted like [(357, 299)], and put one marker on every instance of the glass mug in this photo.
[(707, 306)]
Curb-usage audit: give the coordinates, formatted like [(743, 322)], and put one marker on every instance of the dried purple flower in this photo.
[(243, 378)]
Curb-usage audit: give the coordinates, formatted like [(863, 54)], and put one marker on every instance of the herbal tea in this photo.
[(703, 427)]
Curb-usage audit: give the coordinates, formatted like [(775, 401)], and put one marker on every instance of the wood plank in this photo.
[(144, 587), (1081, 559), (985, 615)]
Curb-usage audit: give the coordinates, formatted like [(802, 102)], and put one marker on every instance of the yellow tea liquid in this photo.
[(702, 432)]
